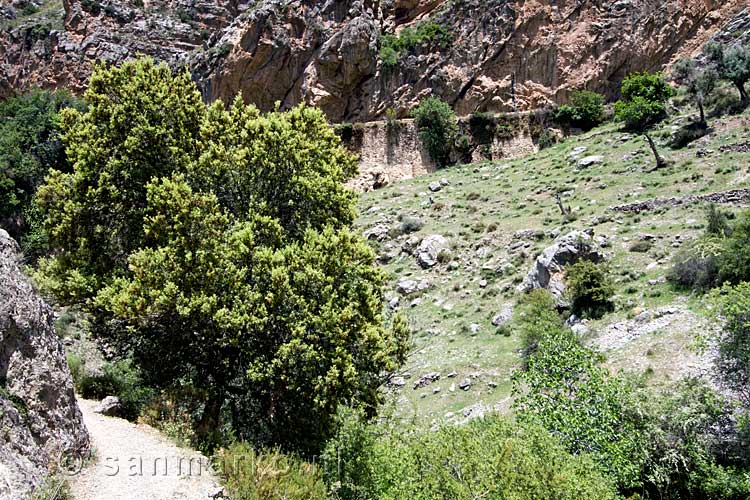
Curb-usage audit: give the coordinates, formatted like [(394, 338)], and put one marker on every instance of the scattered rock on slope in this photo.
[(430, 248), (548, 268), (38, 410)]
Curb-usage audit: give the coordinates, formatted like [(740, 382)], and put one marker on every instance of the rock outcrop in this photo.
[(501, 55), (38, 411), (549, 268)]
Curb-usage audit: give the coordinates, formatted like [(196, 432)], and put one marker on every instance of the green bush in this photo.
[(546, 139), (437, 127), (119, 378), (534, 318), (268, 475), (717, 222), (486, 458), (734, 341), (641, 246), (734, 260), (564, 389), (688, 441), (482, 127), (392, 47), (590, 289), (695, 266), (585, 111)]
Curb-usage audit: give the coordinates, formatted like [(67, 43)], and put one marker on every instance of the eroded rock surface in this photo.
[(38, 410), (502, 55)]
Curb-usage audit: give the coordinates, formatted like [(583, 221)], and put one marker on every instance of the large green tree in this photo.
[(643, 104), (223, 258)]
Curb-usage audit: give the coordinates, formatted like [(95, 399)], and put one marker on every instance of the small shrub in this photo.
[(687, 134), (695, 266), (641, 246), (269, 475), (482, 127), (734, 259), (585, 111), (119, 378), (717, 222), (411, 224), (546, 139), (392, 47), (535, 317), (76, 366), (590, 289)]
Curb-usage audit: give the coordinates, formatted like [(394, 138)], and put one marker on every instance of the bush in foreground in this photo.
[(268, 475), (486, 458)]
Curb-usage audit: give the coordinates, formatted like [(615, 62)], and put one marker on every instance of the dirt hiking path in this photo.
[(137, 462)]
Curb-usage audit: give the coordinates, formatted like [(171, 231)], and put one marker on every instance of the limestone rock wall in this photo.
[(503, 55), (39, 415)]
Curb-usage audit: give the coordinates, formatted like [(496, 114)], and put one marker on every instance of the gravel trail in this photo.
[(137, 462)]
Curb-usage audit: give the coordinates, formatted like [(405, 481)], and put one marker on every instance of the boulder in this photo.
[(407, 287), (547, 271), (429, 250), (38, 409), (505, 315), (435, 187), (377, 232), (109, 406), (590, 160)]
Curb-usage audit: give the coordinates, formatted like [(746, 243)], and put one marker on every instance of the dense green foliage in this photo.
[(212, 246), (684, 433), (485, 458), (268, 475), (393, 47), (534, 318), (734, 341), (119, 378), (30, 144), (564, 389), (734, 259), (437, 127), (585, 111), (590, 289)]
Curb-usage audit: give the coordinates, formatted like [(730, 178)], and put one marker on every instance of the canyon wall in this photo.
[(500, 55)]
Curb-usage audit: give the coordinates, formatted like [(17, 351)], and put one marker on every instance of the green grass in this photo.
[(49, 16), (519, 194)]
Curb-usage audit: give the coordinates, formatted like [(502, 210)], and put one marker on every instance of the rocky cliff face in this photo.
[(39, 416), (500, 54)]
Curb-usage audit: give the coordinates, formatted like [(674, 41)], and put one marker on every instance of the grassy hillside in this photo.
[(499, 215)]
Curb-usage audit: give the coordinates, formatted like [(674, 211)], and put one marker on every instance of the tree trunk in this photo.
[(211, 413), (660, 163), (743, 93), (703, 113)]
